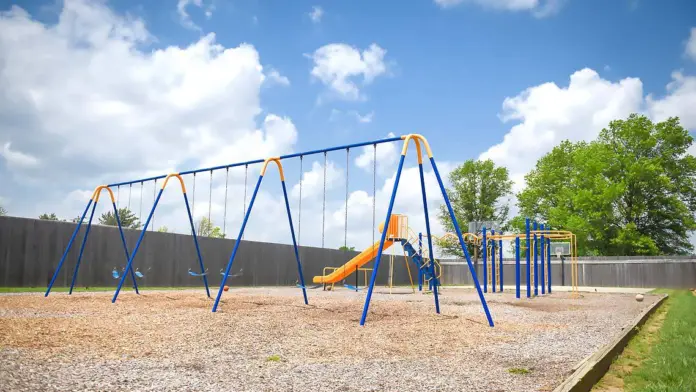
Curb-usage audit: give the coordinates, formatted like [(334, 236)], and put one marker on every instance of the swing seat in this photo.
[(196, 274), (115, 274), (351, 287), (139, 274)]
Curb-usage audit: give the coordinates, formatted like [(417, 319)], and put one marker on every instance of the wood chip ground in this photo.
[(266, 339)]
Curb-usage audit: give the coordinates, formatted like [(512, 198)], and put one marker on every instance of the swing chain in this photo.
[(224, 219), (210, 198), (323, 206), (345, 231), (299, 217), (193, 197), (374, 188)]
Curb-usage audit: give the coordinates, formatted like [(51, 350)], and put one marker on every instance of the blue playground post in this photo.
[(82, 247), (246, 219), (536, 262), (461, 242), (548, 260), (485, 261), (195, 241), (129, 266), (382, 238), (517, 267), (542, 251), (67, 249), (420, 254), (493, 281), (434, 281), (529, 250), (500, 249)]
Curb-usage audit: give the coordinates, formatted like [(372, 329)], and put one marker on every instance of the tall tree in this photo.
[(163, 229), (127, 217), (479, 192), (52, 217), (3, 211), (206, 228), (630, 192)]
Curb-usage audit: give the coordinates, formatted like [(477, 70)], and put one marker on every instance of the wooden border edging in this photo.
[(590, 370)]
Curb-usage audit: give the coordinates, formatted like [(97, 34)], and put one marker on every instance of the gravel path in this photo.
[(266, 339)]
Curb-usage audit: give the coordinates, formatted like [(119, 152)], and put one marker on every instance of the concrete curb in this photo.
[(590, 370)]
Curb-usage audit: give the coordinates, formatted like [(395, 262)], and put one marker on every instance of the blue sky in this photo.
[(498, 79)]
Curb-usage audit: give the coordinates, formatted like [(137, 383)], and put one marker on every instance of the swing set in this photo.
[(420, 144)]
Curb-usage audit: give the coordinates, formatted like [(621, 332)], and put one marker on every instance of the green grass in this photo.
[(82, 289), (518, 371), (662, 356)]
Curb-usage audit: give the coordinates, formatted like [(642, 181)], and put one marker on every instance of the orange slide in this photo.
[(356, 262)]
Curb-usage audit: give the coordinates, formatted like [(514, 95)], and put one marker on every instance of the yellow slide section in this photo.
[(356, 262)]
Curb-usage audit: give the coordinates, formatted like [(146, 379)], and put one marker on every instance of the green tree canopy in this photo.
[(343, 247), (52, 217), (206, 228), (3, 211), (127, 217), (479, 192), (163, 229), (630, 192)]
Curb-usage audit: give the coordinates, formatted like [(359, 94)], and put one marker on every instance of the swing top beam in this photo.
[(255, 161)]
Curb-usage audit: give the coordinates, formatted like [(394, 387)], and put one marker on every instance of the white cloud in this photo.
[(547, 114), (538, 8), (275, 77), (691, 45), (313, 180), (367, 118), (360, 118), (17, 159), (184, 16), (680, 101), (316, 14), (338, 65), (387, 156)]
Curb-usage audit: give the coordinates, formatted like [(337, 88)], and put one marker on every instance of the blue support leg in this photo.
[(528, 253), (382, 238), (536, 262), (125, 247), (485, 261), (548, 261), (500, 249), (67, 249), (294, 244), (517, 267), (434, 279), (236, 244), (461, 242), (137, 246), (82, 248), (542, 252), (198, 249), (493, 280)]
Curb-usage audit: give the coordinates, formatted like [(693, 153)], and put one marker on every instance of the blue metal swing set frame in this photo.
[(419, 141)]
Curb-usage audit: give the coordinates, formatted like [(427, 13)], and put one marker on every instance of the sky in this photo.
[(98, 92)]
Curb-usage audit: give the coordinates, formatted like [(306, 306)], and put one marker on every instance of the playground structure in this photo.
[(398, 231), (536, 243), (376, 250)]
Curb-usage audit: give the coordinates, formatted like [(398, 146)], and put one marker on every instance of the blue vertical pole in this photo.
[(82, 247), (434, 279), (517, 267), (548, 261), (125, 247), (294, 244), (542, 252), (67, 249), (485, 261), (461, 242), (381, 241), (536, 262), (529, 250), (420, 254), (195, 241), (493, 281), (500, 249), (236, 244), (137, 246)]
